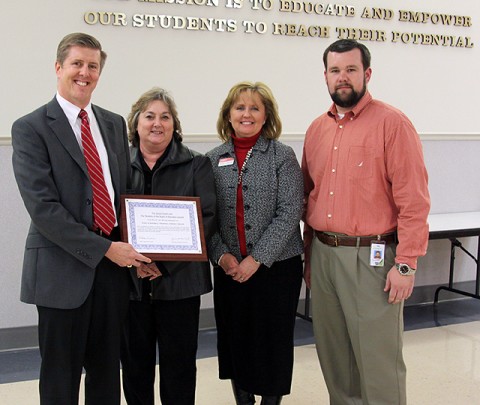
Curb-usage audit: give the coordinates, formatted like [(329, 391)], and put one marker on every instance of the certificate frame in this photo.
[(134, 206)]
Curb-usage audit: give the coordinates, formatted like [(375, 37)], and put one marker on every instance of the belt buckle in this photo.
[(335, 240)]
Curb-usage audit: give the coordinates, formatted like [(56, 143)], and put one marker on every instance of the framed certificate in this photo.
[(164, 228)]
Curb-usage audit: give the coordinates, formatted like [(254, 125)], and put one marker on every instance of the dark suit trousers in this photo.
[(173, 325), (88, 337)]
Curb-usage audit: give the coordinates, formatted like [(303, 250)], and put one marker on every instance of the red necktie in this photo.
[(103, 215)]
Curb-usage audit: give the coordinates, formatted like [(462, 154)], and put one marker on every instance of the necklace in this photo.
[(240, 175)]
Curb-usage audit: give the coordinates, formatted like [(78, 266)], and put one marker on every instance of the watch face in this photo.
[(403, 268)]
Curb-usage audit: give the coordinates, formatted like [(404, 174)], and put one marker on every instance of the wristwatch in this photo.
[(404, 269)]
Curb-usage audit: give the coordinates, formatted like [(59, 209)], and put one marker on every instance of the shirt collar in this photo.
[(245, 143), (72, 111)]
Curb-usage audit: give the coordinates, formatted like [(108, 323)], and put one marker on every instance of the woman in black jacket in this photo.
[(165, 303)]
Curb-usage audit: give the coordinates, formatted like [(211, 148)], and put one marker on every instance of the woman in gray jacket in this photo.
[(257, 250)]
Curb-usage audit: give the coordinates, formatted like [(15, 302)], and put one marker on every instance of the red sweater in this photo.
[(242, 146)]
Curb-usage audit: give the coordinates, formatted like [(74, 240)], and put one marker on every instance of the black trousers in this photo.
[(172, 326), (87, 337)]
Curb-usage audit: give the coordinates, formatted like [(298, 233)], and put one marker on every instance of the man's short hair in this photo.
[(79, 39), (345, 45)]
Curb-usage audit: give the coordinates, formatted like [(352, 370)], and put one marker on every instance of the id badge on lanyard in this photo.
[(377, 253)]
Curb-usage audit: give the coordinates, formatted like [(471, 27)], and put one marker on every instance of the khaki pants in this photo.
[(358, 333)]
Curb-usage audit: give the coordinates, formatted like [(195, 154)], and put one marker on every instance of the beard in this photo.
[(349, 100)]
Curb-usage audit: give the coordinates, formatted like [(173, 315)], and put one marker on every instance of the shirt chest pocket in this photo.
[(360, 162)]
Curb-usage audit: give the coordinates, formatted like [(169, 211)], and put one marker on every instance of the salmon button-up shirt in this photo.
[(364, 175)]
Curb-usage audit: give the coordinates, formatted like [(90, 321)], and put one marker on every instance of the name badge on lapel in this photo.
[(226, 161)]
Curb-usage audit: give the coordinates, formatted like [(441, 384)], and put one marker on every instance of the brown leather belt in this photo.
[(339, 240)]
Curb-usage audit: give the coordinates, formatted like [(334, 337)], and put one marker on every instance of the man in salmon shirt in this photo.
[(365, 192)]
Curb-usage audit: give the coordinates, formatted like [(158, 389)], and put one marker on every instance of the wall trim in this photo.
[(299, 137), (449, 136)]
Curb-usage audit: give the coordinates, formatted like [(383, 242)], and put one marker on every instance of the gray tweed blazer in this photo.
[(273, 202)]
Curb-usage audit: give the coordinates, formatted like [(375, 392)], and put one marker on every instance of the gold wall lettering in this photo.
[(319, 10)]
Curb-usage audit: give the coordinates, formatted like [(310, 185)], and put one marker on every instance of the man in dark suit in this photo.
[(74, 270)]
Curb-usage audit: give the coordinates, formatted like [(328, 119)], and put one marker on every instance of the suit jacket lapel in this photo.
[(64, 133)]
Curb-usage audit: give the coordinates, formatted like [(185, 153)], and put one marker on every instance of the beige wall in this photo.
[(436, 87)]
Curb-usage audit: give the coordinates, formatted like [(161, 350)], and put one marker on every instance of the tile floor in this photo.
[(442, 352)]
